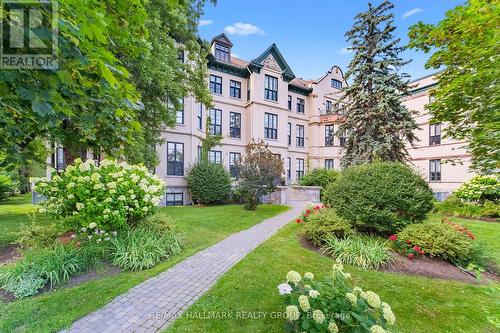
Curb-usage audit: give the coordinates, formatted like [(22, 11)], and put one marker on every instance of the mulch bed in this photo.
[(9, 254), (421, 266), (482, 218)]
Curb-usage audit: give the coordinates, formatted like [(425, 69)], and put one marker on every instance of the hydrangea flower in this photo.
[(293, 276), (292, 312), (313, 293), (377, 329), (284, 289), (318, 316), (304, 303), (79, 206), (333, 328), (352, 298), (388, 314), (92, 225), (373, 299), (309, 276)]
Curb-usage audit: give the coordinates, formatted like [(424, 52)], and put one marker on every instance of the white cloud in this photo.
[(205, 22), (344, 50), (243, 29), (412, 12), (236, 55)]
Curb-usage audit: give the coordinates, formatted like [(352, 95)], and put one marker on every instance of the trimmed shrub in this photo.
[(441, 240), (6, 187), (209, 183), (113, 195), (320, 177), (323, 224), (144, 247), (480, 189), (456, 207), (359, 251), (380, 197)]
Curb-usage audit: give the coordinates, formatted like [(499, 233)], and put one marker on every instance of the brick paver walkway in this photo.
[(154, 304)]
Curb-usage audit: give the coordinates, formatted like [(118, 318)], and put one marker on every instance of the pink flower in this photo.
[(393, 238), (298, 220), (411, 256)]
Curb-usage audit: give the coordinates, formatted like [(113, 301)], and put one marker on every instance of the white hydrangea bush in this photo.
[(112, 195), (332, 305)]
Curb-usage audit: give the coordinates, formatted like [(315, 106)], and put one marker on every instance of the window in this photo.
[(342, 138), (180, 113), (175, 159), (215, 156), (96, 156), (329, 135), (300, 136), (200, 117), (288, 168), (235, 89), (233, 158), (60, 160), (221, 52), (328, 106), (174, 199), (300, 105), (329, 164), (435, 170), (198, 152), (300, 168), (270, 126), (289, 133), (289, 103), (235, 125), (434, 134), (271, 88), (215, 84), (215, 127), (336, 84)]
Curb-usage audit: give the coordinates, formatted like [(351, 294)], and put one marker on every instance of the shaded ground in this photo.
[(9, 253)]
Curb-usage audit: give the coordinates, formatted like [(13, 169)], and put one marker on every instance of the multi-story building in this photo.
[(259, 99), (444, 162)]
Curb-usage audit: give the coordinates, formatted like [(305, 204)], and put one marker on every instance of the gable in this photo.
[(273, 59), (222, 38)]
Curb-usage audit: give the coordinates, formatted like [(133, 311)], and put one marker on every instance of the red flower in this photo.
[(410, 256), (417, 249), (408, 241), (306, 215), (298, 220), (308, 211), (316, 208), (393, 238)]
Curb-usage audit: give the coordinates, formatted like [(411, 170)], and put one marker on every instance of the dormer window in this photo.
[(221, 52)]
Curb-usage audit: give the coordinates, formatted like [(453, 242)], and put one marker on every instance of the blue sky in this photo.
[(310, 33)]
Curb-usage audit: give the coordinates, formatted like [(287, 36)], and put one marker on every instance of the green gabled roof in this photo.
[(256, 64)]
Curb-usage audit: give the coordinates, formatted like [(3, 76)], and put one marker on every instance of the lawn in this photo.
[(13, 214), (53, 311), (421, 304)]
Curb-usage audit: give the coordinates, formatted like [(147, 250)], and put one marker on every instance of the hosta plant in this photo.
[(332, 305), (112, 195)]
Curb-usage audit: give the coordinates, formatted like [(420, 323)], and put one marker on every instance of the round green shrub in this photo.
[(6, 187), (209, 183), (480, 189), (319, 177), (380, 197), (438, 239), (324, 224)]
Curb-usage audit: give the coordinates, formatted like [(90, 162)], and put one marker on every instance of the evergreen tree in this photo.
[(378, 125)]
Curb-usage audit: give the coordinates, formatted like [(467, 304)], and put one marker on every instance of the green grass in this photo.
[(14, 213), (53, 311), (421, 304)]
